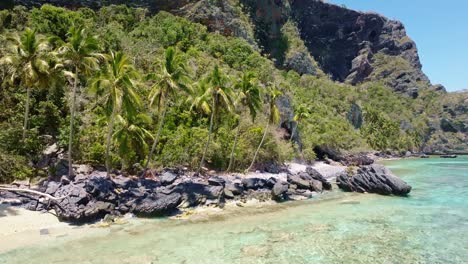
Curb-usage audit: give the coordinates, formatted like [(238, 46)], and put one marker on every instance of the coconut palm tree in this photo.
[(27, 63), (131, 136), (273, 117), (80, 58), (171, 80), (300, 113), (248, 95), (212, 94), (116, 84)]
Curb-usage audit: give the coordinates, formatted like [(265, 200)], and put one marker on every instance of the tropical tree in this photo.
[(248, 95), (300, 113), (116, 85), (80, 58), (172, 79), (131, 137), (27, 63), (212, 95), (273, 117)]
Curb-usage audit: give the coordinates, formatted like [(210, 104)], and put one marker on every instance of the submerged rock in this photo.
[(373, 179)]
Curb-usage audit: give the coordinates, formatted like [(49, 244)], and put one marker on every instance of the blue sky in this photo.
[(440, 30)]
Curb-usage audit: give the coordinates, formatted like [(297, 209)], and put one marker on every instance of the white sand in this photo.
[(22, 228)]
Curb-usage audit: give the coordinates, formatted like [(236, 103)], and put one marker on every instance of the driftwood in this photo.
[(48, 196)]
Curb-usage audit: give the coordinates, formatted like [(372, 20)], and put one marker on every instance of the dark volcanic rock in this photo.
[(194, 194), (233, 188), (314, 174), (156, 204), (254, 183), (374, 179), (299, 182), (359, 159), (216, 181), (168, 177)]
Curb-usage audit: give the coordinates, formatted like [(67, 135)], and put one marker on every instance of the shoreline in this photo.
[(25, 228)]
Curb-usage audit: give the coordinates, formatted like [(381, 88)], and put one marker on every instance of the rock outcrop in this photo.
[(91, 196), (373, 179), (344, 42)]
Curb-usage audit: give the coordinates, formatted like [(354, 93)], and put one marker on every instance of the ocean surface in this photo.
[(429, 226)]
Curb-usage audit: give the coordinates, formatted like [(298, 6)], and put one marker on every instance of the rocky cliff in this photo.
[(348, 45)]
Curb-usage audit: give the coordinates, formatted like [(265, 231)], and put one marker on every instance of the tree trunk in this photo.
[(110, 130), (231, 159), (26, 112), (72, 123), (259, 146), (202, 163), (156, 139), (293, 131)]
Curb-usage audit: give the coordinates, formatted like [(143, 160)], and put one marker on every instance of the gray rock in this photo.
[(168, 177), (234, 188), (279, 190), (373, 179), (216, 181), (314, 174), (254, 183), (194, 194), (157, 204), (299, 182), (52, 187), (316, 185)]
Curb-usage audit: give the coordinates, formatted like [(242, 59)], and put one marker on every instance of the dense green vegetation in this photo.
[(121, 88)]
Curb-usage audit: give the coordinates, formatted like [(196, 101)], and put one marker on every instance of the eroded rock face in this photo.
[(344, 42), (373, 179)]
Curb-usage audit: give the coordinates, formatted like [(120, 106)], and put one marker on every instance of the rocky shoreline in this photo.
[(91, 196)]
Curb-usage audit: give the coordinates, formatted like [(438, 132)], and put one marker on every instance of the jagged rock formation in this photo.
[(373, 179)]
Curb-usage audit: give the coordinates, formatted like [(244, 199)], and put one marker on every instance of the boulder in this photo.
[(216, 181), (157, 204), (271, 182), (168, 177), (194, 194), (373, 179), (279, 190), (254, 183), (233, 188), (299, 182), (314, 174), (316, 186), (61, 168)]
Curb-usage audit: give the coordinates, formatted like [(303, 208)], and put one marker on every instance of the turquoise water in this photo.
[(429, 226)]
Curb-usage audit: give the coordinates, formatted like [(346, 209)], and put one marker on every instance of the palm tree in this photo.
[(116, 84), (248, 96), (217, 91), (172, 79), (131, 136), (301, 112), (80, 55), (273, 117), (27, 63)]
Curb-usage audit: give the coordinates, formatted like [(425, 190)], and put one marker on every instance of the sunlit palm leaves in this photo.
[(171, 80), (26, 63), (115, 84)]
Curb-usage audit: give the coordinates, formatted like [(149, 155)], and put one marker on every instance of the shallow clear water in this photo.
[(430, 226)]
